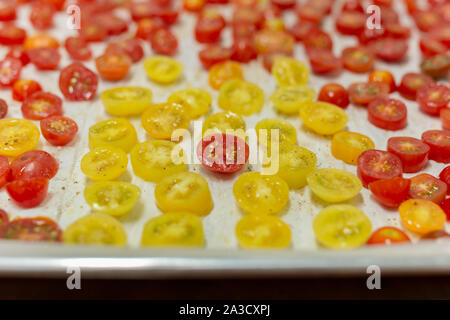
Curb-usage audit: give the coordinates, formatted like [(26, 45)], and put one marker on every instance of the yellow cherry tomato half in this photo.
[(197, 101), (17, 136), (154, 160), (288, 100), (95, 229), (342, 227), (323, 118), (295, 164), (266, 232), (347, 146), (224, 122), (184, 191), (126, 101), (174, 229), (104, 163), (268, 129), (115, 198), (117, 132), (162, 69), (334, 185), (289, 72), (162, 119), (222, 72), (421, 216), (261, 194), (241, 97)]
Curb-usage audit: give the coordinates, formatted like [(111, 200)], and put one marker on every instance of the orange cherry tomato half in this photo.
[(113, 66), (24, 88), (41, 40), (383, 76), (357, 59), (387, 236)]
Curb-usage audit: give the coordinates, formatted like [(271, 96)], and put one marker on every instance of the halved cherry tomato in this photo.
[(193, 5), (24, 88), (197, 101), (301, 29), (209, 26), (288, 100), (41, 15), (323, 61), (223, 153), (295, 164), (442, 33), (347, 146), (41, 105), (375, 165), (421, 216), (243, 50), (45, 58), (78, 83), (411, 82), (3, 108), (243, 30), (248, 15), (439, 142), (104, 163), (357, 59), (33, 164), (289, 72), (58, 130), (383, 76), (126, 101), (116, 132), (283, 4), (10, 34), (5, 171), (318, 39), (222, 72), (130, 46), (112, 23), (92, 31), (161, 120), (7, 10), (141, 10), (270, 57), (163, 41), (427, 20), (113, 66), (369, 35), (17, 136), (436, 66), (391, 192), (350, 22), (59, 4), (445, 176), (322, 117), (213, 54), (388, 16), (41, 40), (389, 49), (224, 122), (78, 48), (363, 93), (18, 52), (33, 229), (427, 187), (145, 27), (432, 98), (272, 131), (28, 193), (10, 69), (387, 236), (352, 5), (274, 24), (388, 114), (412, 152), (445, 118), (268, 40), (334, 93), (241, 97), (430, 46), (162, 69), (308, 12), (397, 30)]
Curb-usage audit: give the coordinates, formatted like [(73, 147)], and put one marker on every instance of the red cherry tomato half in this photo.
[(58, 130), (213, 54), (7, 10), (430, 46), (357, 59), (350, 22), (111, 23), (425, 186), (10, 34), (334, 93), (28, 193), (141, 10), (113, 66), (427, 20), (34, 229), (3, 108), (33, 164), (446, 207), (388, 114), (131, 47), (412, 152), (390, 192), (4, 223), (383, 76), (436, 66), (243, 30), (24, 88), (397, 30), (439, 142), (91, 31), (10, 69), (368, 35), (209, 26), (163, 41), (41, 15), (445, 176), (323, 61), (318, 39), (18, 52), (41, 105), (243, 50), (223, 153), (445, 118), (45, 58), (387, 236), (375, 165), (352, 5), (78, 83), (362, 93), (248, 15), (388, 16), (411, 82), (301, 29), (389, 49), (59, 4), (5, 170), (78, 48), (310, 13), (283, 4), (442, 33), (166, 15), (145, 27), (432, 98)]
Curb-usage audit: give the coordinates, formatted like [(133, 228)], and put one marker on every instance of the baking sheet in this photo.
[(66, 203)]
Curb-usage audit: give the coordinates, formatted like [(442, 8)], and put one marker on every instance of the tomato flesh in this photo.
[(22, 89), (113, 66), (432, 98), (34, 229), (375, 165), (3, 108), (362, 93), (78, 83), (45, 58), (387, 236), (427, 187), (390, 192), (10, 34), (131, 47), (78, 48), (412, 152), (411, 83), (28, 193), (213, 54), (323, 61), (10, 69), (439, 142), (163, 41), (388, 114), (41, 105), (58, 130)]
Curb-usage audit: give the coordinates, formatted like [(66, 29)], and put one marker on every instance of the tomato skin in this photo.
[(58, 130), (243, 30), (432, 98), (248, 15), (375, 165), (350, 22), (310, 13), (78, 48), (113, 24), (12, 35), (352, 5), (323, 61), (388, 114), (10, 69), (301, 29), (78, 83), (445, 118), (362, 93), (412, 152), (3, 108), (383, 76), (18, 52), (91, 31), (45, 58), (34, 164), (430, 47), (243, 51), (436, 66), (389, 49), (226, 148), (357, 59), (390, 192), (7, 10), (334, 93), (41, 16), (113, 66), (411, 82), (213, 54), (425, 186), (426, 20), (24, 88), (445, 176), (41, 105), (209, 27), (369, 35), (439, 142), (28, 193), (387, 236), (397, 31), (33, 229), (145, 27), (318, 39), (131, 47), (5, 170), (163, 41)]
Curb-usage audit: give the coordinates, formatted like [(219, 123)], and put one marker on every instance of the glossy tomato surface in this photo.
[(33, 164), (28, 193), (390, 192), (439, 142), (58, 130), (78, 83), (375, 165), (412, 152), (334, 93)]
